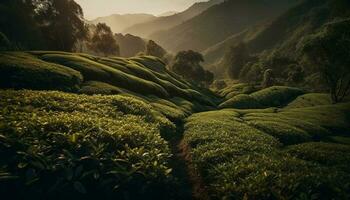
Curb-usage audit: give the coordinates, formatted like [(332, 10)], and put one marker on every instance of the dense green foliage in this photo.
[(235, 59), (275, 96), (67, 72), (103, 147), (329, 50), (81, 126), (23, 70), (103, 41), (241, 101), (42, 24), (238, 152), (5, 43), (153, 49), (188, 65)]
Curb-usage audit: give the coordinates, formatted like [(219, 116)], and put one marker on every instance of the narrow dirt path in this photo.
[(191, 184)]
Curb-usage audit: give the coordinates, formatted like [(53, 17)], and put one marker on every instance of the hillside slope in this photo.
[(214, 53), (120, 22), (164, 23), (285, 32), (219, 22), (281, 35), (145, 78)]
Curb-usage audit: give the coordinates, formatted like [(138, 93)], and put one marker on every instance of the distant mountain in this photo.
[(164, 23), (219, 22), (130, 45), (166, 14), (119, 22), (214, 53)]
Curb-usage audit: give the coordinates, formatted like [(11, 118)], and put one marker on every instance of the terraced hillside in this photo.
[(80, 126)]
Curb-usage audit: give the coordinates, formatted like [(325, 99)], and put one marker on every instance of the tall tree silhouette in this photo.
[(103, 41), (61, 22)]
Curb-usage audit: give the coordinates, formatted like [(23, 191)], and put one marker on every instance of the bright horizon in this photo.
[(94, 8)]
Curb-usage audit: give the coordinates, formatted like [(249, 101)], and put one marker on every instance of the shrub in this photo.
[(238, 154), (310, 100), (327, 154), (95, 87), (93, 71), (241, 101), (276, 96), (5, 44), (285, 133), (57, 145), (22, 70)]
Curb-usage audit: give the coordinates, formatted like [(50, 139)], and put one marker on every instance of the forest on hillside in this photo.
[(227, 99)]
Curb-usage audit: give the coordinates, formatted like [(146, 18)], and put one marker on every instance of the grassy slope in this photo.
[(139, 77), (276, 96), (98, 145), (94, 146), (94, 142), (272, 154)]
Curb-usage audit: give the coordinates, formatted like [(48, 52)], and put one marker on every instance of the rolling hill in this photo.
[(120, 22), (219, 22), (81, 126), (164, 23)]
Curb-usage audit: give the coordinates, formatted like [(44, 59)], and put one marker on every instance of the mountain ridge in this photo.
[(229, 17), (118, 22), (163, 23)]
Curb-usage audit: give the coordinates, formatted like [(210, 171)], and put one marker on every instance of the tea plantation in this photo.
[(81, 126)]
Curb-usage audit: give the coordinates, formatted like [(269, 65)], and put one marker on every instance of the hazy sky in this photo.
[(97, 8)]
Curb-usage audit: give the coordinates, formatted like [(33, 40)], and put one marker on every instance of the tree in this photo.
[(42, 24), (153, 49), (187, 65), (18, 24), (235, 59), (103, 41), (268, 80), (252, 72), (295, 74), (329, 50), (61, 22), (5, 44)]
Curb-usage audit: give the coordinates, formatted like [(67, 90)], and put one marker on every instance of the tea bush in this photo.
[(309, 100), (276, 96), (241, 101), (24, 71), (246, 154), (57, 145)]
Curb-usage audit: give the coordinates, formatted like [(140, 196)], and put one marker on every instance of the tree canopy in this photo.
[(235, 59), (329, 51), (42, 24), (187, 64), (153, 49), (103, 41)]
